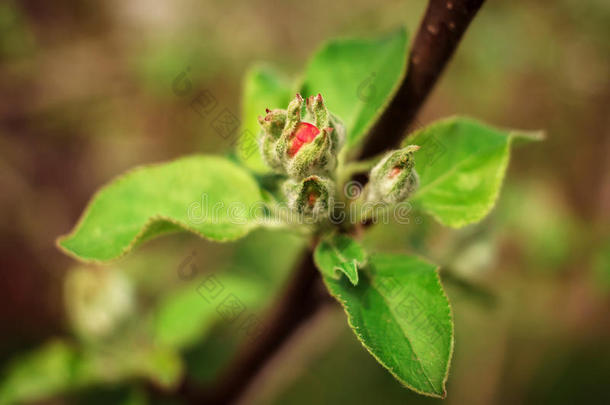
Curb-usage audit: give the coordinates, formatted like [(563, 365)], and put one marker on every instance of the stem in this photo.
[(444, 23), (360, 166)]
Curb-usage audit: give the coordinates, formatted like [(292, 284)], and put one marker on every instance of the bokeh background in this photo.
[(87, 91)]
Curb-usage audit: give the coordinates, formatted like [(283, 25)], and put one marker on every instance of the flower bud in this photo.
[(273, 126), (393, 179), (276, 126), (310, 151), (311, 196), (302, 147), (273, 123), (293, 115), (322, 118), (97, 302), (305, 148)]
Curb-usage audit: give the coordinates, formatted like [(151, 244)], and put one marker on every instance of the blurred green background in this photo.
[(88, 90)]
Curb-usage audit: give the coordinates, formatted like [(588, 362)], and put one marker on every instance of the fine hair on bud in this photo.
[(394, 179), (301, 147), (311, 197)]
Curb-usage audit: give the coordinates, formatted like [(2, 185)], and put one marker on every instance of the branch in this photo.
[(440, 32)]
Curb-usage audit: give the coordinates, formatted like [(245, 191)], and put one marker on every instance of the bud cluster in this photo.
[(301, 147), (304, 149)]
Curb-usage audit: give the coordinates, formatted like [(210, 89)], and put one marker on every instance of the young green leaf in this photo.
[(357, 78), (461, 165), (400, 313), (185, 316), (58, 367), (339, 253), (206, 195), (263, 88), (39, 374)]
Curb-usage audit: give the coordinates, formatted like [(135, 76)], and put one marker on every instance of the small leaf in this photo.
[(209, 196), (185, 316), (339, 253), (161, 365), (39, 374), (461, 164), (263, 88), (58, 367), (111, 362), (357, 78), (400, 313)]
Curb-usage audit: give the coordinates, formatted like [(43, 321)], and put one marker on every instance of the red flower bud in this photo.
[(312, 196), (393, 179), (395, 172), (303, 134), (302, 147)]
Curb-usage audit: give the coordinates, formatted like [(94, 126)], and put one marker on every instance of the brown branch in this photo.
[(444, 23)]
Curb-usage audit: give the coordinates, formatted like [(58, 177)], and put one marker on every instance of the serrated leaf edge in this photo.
[(153, 220), (337, 270), (399, 379), (500, 175), (402, 28)]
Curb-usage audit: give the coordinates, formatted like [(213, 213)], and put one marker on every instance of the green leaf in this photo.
[(39, 374), (339, 253), (59, 367), (263, 88), (461, 165), (357, 78), (185, 315), (209, 196), (189, 313), (161, 365), (400, 313), (110, 363)]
